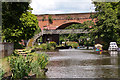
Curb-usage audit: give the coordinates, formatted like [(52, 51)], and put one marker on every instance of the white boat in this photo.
[(113, 46)]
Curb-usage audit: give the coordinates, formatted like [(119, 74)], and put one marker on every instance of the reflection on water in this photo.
[(83, 64), (113, 52)]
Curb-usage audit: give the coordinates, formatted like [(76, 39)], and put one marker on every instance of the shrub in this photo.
[(39, 64), (43, 46), (52, 48), (48, 46), (43, 60), (53, 44), (1, 73), (20, 66), (73, 44)]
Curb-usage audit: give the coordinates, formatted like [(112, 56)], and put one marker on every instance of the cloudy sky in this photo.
[(61, 6)]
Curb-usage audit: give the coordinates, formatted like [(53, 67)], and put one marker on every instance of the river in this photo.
[(71, 63)]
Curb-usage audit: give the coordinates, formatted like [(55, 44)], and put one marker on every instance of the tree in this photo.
[(81, 38), (106, 28), (71, 37), (18, 23), (87, 25), (29, 25)]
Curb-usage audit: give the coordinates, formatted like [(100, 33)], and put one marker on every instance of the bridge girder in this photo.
[(58, 31), (65, 31)]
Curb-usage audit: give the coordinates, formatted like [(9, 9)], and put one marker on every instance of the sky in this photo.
[(61, 6)]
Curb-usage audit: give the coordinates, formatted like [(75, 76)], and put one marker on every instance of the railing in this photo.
[(59, 31), (66, 31), (32, 40)]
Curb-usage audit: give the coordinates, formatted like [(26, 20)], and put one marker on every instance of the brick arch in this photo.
[(59, 19), (66, 24)]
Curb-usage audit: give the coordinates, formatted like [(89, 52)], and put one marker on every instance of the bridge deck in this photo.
[(64, 31), (58, 31)]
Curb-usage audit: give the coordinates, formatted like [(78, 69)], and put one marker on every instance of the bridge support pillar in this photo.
[(50, 37)]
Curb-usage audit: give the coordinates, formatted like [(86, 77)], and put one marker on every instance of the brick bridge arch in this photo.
[(66, 24), (32, 41), (59, 21)]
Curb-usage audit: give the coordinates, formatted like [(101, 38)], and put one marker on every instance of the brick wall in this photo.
[(61, 19)]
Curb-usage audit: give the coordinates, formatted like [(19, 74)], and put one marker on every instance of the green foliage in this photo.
[(68, 18), (43, 19), (42, 60), (50, 19), (73, 44), (74, 26), (84, 41), (1, 73), (52, 43), (48, 46), (71, 37), (76, 37), (11, 13), (36, 68), (17, 21), (43, 46), (38, 30), (39, 64), (39, 39), (107, 27), (18, 46), (20, 66), (87, 25), (29, 25)]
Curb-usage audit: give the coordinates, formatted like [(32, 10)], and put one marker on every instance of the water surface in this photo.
[(71, 63)]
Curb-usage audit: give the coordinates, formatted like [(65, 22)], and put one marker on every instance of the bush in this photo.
[(39, 64), (53, 44), (52, 48), (20, 66), (1, 73), (73, 44), (42, 60), (43, 46), (48, 46)]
